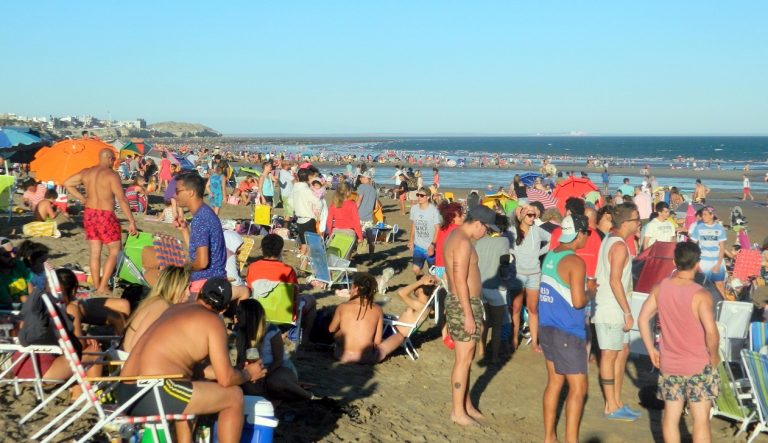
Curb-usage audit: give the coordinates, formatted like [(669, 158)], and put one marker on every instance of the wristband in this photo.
[(627, 314)]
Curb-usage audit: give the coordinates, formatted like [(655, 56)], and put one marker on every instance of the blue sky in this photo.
[(408, 67)]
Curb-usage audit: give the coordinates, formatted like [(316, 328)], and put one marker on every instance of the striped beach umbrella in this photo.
[(543, 197)]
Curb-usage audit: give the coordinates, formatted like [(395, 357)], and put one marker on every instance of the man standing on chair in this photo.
[(102, 187), (688, 355), (463, 305)]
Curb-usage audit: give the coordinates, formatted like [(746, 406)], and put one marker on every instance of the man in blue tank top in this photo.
[(562, 327)]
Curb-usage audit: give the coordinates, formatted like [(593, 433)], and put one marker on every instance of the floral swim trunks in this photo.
[(454, 318), (101, 225), (695, 388)]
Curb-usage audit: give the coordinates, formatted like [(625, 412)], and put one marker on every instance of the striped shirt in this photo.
[(709, 238)]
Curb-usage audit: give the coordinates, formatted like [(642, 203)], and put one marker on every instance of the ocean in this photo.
[(730, 151)]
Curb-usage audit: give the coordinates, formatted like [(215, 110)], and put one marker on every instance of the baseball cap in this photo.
[(217, 292), (571, 226), (366, 174), (6, 244), (484, 215)]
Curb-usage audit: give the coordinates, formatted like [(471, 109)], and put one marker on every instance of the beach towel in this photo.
[(41, 229), (748, 264)]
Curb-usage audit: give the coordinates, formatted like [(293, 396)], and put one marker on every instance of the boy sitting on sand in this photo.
[(358, 323)]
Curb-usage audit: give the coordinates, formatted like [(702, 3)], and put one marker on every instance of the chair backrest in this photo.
[(134, 245), (6, 191), (758, 335), (341, 242), (262, 215), (65, 341), (169, 251), (245, 251), (728, 401), (748, 263), (756, 366), (318, 257), (735, 315), (279, 305)]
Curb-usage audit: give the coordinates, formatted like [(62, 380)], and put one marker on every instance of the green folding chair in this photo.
[(129, 263), (341, 243), (732, 403), (7, 186)]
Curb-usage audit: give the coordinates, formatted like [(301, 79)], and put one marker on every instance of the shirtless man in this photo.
[(463, 306), (185, 335), (102, 185), (700, 192)]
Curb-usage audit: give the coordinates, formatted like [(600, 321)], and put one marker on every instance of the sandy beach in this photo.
[(400, 399)]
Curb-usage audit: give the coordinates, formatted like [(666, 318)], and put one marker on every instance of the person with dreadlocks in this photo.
[(357, 325)]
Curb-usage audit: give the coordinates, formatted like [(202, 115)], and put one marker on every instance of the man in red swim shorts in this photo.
[(102, 187)]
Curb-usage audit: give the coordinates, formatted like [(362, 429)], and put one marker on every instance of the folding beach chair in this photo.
[(341, 243), (281, 305), (7, 188), (329, 269), (734, 401), (756, 366), (14, 355), (89, 399), (758, 335), (245, 251), (748, 263), (735, 316), (169, 251), (393, 322), (129, 263)]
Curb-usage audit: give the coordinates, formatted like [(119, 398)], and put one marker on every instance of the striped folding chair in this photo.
[(756, 366), (245, 251), (89, 399), (169, 251)]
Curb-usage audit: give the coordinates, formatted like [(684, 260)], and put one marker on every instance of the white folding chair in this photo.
[(394, 322), (89, 399), (735, 315)]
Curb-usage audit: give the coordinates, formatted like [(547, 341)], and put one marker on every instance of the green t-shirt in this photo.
[(14, 284)]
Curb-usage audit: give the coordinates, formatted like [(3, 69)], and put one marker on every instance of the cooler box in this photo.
[(260, 421)]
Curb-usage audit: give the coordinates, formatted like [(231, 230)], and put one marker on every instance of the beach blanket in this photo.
[(169, 251)]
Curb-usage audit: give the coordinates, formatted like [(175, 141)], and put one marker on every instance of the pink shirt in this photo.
[(683, 347)]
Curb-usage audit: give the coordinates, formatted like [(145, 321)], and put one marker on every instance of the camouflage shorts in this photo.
[(695, 388), (454, 318)]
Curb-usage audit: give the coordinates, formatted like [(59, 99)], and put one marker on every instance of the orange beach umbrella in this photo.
[(572, 187), (66, 158)]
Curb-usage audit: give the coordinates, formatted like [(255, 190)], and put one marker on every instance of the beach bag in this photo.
[(41, 229), (378, 213), (262, 215), (233, 200)]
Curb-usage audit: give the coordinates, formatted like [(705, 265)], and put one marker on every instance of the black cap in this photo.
[(484, 215), (217, 292)]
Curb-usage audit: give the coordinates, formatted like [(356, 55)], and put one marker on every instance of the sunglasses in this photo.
[(421, 195), (530, 215)]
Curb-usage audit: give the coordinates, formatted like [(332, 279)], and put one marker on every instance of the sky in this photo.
[(395, 67)]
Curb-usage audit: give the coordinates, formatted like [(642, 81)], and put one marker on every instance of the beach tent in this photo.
[(134, 147), (529, 178), (66, 158), (655, 264), (185, 164), (572, 187), (490, 200)]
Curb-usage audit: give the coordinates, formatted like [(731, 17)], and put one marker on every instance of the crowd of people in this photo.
[(508, 274)]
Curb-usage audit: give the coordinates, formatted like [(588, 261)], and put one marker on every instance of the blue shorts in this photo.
[(715, 275), (420, 256)]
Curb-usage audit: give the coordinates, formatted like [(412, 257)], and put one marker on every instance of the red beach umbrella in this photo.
[(572, 187)]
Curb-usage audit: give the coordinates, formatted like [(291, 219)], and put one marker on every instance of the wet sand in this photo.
[(400, 399)]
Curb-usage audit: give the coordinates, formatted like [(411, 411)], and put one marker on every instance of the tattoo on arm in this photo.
[(457, 385)]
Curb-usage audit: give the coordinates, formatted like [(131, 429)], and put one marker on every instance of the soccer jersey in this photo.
[(555, 303), (709, 238)]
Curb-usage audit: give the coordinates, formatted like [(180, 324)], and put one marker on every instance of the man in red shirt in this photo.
[(271, 267)]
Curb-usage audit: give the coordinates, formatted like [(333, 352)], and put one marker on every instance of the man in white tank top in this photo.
[(613, 318)]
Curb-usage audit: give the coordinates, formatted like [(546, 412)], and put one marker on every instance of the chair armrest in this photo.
[(331, 268), (136, 377)]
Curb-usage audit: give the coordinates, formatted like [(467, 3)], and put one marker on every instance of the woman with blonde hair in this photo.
[(172, 288), (342, 214)]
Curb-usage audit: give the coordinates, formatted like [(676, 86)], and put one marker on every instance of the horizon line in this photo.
[(469, 134)]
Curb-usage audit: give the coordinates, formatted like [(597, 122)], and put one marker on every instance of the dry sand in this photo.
[(400, 399)]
